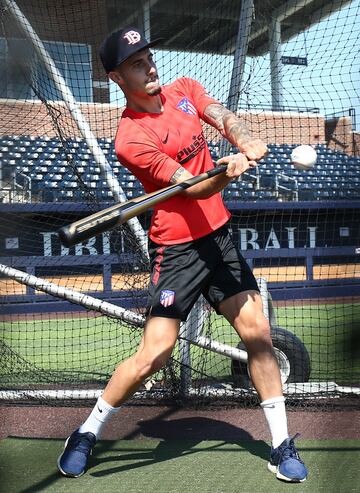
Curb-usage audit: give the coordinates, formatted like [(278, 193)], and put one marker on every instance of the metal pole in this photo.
[(185, 359), (146, 19), (264, 296), (275, 63), (82, 299), (220, 348), (241, 48), (187, 331)]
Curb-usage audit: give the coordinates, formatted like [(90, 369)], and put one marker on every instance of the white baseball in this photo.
[(304, 157)]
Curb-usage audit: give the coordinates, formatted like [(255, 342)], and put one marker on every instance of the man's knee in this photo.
[(147, 365), (256, 331)]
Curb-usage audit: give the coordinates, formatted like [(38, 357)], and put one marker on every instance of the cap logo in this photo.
[(132, 37)]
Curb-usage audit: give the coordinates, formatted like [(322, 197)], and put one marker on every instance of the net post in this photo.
[(275, 63), (189, 332), (185, 359), (264, 296), (241, 48)]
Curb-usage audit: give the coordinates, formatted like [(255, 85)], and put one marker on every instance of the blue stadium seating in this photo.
[(55, 170)]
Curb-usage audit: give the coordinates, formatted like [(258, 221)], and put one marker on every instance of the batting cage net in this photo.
[(69, 315)]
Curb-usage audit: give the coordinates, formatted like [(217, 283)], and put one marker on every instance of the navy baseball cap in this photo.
[(121, 44)]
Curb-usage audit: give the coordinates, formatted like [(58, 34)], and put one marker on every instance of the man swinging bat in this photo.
[(160, 141)]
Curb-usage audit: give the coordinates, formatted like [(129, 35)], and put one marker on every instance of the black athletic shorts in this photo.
[(211, 266)]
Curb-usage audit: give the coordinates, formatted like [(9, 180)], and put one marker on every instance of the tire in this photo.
[(292, 356)]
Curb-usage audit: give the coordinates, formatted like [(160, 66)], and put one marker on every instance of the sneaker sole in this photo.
[(274, 470), (61, 470)]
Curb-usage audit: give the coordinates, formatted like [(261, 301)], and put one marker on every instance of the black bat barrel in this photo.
[(109, 218)]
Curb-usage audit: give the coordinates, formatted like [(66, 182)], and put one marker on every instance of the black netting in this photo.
[(295, 81)]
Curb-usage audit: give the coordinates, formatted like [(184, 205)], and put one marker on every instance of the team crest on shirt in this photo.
[(167, 297), (186, 106)]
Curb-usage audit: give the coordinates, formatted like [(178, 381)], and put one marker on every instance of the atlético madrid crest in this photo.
[(167, 297), (186, 106)]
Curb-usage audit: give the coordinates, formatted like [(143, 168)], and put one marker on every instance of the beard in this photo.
[(155, 92), (153, 88)]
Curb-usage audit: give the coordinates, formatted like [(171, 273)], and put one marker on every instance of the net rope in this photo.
[(298, 230)]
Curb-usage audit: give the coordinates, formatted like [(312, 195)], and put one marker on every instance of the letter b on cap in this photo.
[(132, 37)]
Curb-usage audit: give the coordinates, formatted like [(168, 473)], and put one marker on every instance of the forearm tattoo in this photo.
[(228, 124), (180, 175)]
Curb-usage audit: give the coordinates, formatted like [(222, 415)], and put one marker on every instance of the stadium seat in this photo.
[(46, 162), (105, 195), (64, 195), (70, 184)]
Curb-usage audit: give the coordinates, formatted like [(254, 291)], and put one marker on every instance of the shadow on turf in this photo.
[(178, 437)]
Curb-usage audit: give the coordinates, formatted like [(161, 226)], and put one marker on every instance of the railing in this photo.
[(18, 189), (349, 112), (280, 188), (23, 186)]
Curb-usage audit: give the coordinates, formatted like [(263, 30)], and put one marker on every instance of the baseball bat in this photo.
[(113, 216)]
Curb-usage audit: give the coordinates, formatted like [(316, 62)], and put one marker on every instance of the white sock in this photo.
[(98, 417), (275, 415)]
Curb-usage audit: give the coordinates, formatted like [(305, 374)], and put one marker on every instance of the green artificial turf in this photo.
[(149, 466)]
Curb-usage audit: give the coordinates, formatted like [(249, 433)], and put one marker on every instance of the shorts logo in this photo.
[(167, 297), (186, 106), (132, 37)]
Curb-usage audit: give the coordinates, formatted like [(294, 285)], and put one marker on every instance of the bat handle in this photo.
[(218, 170)]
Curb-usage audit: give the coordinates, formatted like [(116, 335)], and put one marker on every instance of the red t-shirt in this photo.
[(152, 146)]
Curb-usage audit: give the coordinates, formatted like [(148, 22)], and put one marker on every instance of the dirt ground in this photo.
[(165, 422)]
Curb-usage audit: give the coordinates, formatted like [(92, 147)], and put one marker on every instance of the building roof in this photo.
[(210, 26)]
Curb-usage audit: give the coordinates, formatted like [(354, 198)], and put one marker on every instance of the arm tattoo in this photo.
[(180, 175), (228, 124), (215, 114)]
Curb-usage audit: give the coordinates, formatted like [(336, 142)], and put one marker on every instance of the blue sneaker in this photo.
[(78, 448), (285, 462)]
